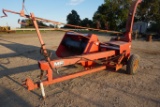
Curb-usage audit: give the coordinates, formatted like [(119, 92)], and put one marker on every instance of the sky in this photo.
[(56, 10)]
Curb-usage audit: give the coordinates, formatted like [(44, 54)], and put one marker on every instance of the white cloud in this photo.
[(75, 2)]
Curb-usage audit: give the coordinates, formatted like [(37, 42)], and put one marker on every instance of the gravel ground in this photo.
[(19, 54)]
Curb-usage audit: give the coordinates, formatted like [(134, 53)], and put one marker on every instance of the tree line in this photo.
[(112, 15)]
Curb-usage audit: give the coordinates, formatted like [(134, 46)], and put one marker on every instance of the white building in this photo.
[(140, 26)]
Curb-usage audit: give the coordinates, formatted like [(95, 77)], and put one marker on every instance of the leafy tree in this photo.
[(86, 22), (150, 11), (112, 14), (115, 13), (73, 18)]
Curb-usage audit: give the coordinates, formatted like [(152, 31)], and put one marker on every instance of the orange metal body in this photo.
[(83, 49), (94, 57)]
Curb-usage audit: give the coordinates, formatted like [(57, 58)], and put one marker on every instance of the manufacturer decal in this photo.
[(60, 63)]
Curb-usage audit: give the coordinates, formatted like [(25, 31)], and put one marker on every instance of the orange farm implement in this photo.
[(86, 50)]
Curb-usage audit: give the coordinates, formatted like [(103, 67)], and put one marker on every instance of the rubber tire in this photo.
[(133, 64)]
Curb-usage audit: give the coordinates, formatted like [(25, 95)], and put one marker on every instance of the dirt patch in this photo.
[(19, 54)]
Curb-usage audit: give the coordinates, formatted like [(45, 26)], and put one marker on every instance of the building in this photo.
[(140, 26)]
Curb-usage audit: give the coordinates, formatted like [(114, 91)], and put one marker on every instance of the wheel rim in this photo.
[(135, 65)]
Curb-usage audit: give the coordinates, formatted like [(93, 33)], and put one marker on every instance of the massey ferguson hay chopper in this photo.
[(86, 50)]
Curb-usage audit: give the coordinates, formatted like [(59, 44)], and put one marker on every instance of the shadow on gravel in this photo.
[(20, 50), (8, 98), (5, 71), (122, 71), (12, 79)]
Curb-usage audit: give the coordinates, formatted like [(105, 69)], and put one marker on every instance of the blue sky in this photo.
[(56, 10)]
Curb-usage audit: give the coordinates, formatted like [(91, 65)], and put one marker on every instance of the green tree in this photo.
[(86, 22), (150, 12), (73, 18), (112, 12)]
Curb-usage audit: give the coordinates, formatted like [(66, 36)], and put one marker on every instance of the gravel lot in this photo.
[(19, 54)]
